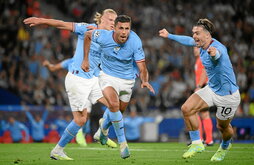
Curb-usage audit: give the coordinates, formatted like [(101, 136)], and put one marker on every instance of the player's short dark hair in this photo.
[(206, 24), (122, 19)]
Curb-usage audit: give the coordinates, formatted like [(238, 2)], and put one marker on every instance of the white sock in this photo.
[(58, 148), (197, 141)]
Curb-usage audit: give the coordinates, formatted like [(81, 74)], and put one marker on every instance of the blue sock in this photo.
[(107, 123), (194, 135), (105, 115), (69, 133), (86, 127), (117, 122), (225, 144)]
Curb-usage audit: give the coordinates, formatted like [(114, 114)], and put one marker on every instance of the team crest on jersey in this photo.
[(96, 34), (116, 49)]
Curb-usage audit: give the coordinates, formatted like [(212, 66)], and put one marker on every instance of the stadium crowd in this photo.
[(171, 66)]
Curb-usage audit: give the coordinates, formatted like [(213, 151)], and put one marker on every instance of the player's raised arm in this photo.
[(35, 21), (184, 40), (87, 43), (52, 67), (163, 33), (144, 76)]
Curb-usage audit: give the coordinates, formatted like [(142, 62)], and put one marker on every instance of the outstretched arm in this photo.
[(34, 21), (184, 40), (52, 67), (30, 117), (144, 76), (23, 127), (87, 43), (45, 115), (5, 125)]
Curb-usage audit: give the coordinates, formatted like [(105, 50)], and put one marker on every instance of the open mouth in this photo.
[(123, 37), (197, 40)]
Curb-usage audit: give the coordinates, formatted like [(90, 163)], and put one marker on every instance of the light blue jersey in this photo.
[(117, 59), (37, 126), (16, 130), (221, 77), (66, 64), (94, 55), (136, 70)]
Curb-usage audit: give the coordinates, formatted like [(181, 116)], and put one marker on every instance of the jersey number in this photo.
[(225, 111)]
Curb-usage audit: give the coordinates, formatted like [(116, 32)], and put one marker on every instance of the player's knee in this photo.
[(185, 109), (123, 108), (221, 127), (114, 106), (80, 121)]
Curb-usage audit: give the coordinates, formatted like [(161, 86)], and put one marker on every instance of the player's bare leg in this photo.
[(97, 135), (70, 132), (116, 118), (227, 133), (189, 109)]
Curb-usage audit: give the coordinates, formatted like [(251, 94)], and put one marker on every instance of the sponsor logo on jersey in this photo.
[(82, 24)]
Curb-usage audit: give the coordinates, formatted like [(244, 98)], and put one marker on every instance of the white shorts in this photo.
[(226, 105), (123, 87), (81, 91), (89, 106)]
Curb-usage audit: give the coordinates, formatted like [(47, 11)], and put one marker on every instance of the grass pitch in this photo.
[(141, 154)]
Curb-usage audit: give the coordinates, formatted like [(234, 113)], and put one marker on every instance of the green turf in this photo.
[(141, 154)]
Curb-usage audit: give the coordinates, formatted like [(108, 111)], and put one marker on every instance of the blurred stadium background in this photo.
[(26, 84)]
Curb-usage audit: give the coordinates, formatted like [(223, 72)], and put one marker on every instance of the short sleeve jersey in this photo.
[(117, 59), (94, 55)]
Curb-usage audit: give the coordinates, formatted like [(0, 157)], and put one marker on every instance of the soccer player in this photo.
[(66, 64), (121, 48), (81, 86), (221, 91), (204, 116), (15, 127), (37, 124), (132, 124)]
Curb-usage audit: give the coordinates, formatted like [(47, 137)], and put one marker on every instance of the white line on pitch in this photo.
[(138, 150)]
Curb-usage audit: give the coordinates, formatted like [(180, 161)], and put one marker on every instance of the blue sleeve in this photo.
[(5, 125), (217, 55), (45, 115), (66, 63), (148, 119), (138, 50), (99, 36), (23, 127), (142, 120), (95, 36), (59, 123), (184, 40), (81, 28), (219, 51), (30, 117)]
